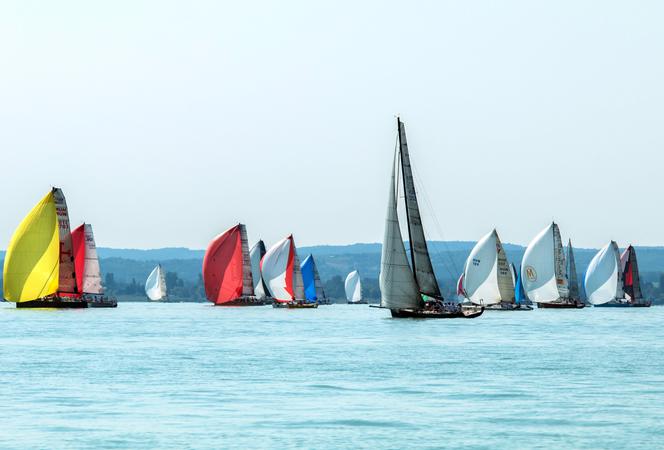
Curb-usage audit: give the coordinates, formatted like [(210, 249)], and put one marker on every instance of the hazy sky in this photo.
[(167, 122)]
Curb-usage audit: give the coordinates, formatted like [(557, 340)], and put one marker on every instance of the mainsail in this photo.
[(281, 271), (86, 262), (313, 288), (353, 287), (255, 255), (487, 279), (603, 279), (543, 267), (631, 280), (227, 267), (67, 278), (572, 277), (398, 289), (420, 260), (155, 285), (31, 268)]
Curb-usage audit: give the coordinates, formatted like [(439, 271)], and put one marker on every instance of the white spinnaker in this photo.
[(155, 286), (480, 278), (353, 287), (398, 289), (255, 254), (273, 269), (91, 271), (602, 276), (538, 272)]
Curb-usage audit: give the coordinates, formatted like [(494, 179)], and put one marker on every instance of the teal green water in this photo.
[(342, 376)]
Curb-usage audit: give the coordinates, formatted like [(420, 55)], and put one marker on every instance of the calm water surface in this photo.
[(342, 376)]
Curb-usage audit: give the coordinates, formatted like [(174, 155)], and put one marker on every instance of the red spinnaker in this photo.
[(222, 267), (78, 247)]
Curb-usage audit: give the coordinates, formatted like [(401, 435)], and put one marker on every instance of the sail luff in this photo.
[(420, 259), (162, 282), (504, 276), (398, 288), (298, 283)]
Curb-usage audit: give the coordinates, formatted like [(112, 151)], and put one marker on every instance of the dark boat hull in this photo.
[(508, 307), (54, 303), (429, 314), (562, 305), (646, 304), (244, 301), (301, 305), (361, 302)]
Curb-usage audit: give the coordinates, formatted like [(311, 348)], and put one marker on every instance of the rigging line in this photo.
[(438, 228)]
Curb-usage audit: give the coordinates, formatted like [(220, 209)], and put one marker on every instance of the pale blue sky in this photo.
[(167, 122)]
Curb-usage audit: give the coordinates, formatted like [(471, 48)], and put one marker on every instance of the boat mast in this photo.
[(405, 196)]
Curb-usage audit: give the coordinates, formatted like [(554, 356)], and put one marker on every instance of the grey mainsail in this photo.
[(559, 263), (398, 288), (572, 276), (420, 259)]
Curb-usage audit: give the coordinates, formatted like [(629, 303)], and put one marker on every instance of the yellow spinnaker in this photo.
[(32, 261)]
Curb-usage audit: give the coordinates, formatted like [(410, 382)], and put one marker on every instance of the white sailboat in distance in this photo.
[(155, 285)]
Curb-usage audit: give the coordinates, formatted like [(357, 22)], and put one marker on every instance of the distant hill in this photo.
[(132, 266)]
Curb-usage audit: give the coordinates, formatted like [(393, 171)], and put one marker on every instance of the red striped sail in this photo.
[(222, 267)]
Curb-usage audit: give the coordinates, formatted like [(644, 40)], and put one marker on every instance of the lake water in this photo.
[(342, 376)]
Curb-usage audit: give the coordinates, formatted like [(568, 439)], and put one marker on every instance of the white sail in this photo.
[(353, 287), (155, 285), (91, 271), (398, 289), (281, 271), (538, 268), (256, 254), (602, 282), (487, 278)]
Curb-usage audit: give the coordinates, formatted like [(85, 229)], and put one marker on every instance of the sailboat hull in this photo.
[(504, 306), (361, 302), (61, 303), (244, 301), (458, 313), (644, 304), (301, 305), (562, 305)]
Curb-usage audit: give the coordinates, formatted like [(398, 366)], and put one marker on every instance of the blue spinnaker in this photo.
[(308, 268)]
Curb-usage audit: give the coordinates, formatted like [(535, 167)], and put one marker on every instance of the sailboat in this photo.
[(543, 271), (87, 270), (155, 285), (612, 279), (281, 271), (631, 281), (603, 281), (313, 287), (353, 288), (572, 277), (227, 270), (487, 277), (411, 290), (256, 253), (39, 267)]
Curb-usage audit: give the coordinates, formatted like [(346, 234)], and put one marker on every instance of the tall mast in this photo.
[(405, 196), (419, 253)]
